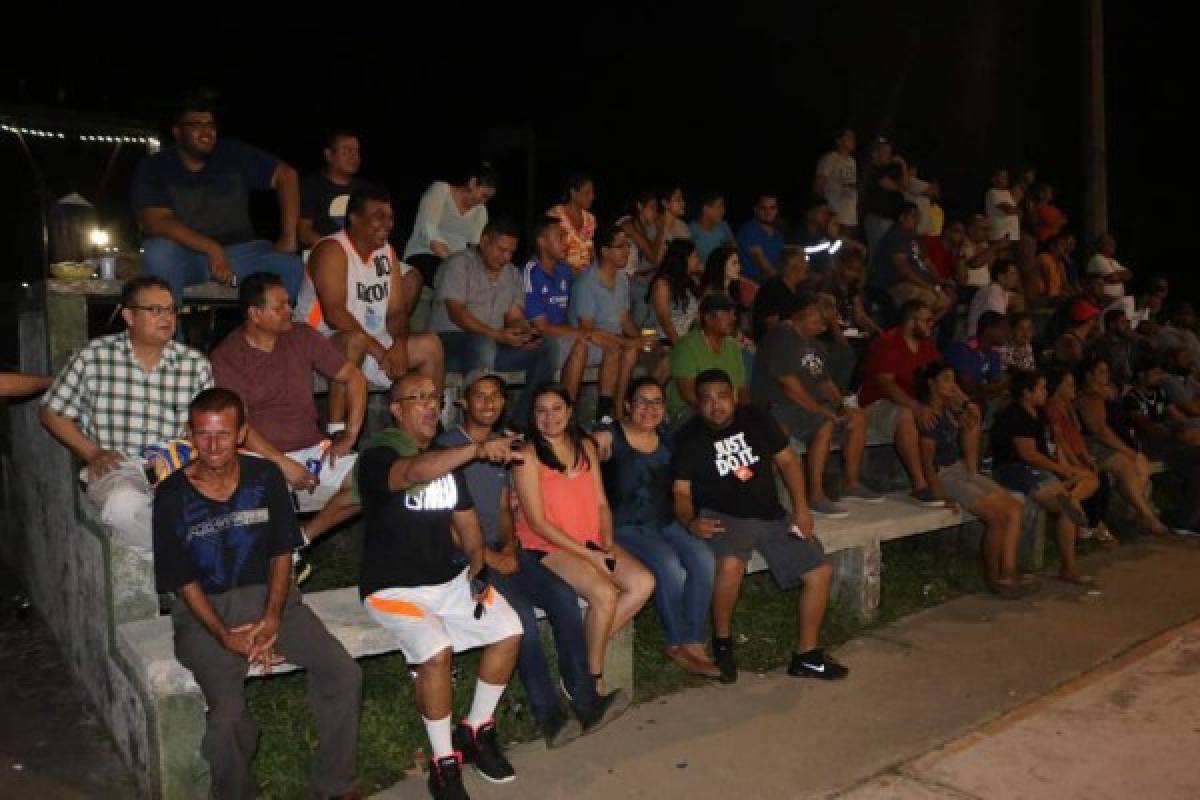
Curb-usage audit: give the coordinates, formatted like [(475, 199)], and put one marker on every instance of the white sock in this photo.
[(483, 707), (439, 737)]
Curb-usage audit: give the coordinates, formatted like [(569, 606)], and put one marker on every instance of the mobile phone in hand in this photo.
[(609, 560)]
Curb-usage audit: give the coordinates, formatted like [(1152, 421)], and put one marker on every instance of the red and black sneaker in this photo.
[(445, 779), (481, 749)]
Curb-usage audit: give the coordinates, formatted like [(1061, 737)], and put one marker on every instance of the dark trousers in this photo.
[(534, 585), (231, 735)]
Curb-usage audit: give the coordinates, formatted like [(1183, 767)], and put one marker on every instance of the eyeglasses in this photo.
[(157, 310), (423, 399)]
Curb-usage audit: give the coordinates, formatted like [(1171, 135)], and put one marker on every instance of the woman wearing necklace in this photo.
[(578, 221), (565, 522), (637, 474)]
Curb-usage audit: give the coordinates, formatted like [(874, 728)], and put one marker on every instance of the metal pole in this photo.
[(1096, 147)]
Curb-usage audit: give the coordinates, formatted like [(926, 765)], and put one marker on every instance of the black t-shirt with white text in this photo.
[(732, 470), (223, 545), (408, 538)]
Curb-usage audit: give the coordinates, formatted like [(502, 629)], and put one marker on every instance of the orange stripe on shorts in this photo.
[(401, 608)]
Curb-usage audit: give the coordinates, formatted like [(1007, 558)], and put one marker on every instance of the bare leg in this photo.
[(1066, 532), (727, 586), (810, 609), (908, 448), (433, 686), (426, 357), (340, 508), (636, 584), (354, 347), (816, 456), (572, 371), (600, 592), (854, 445), (970, 445), (499, 658), (629, 359), (1131, 483)]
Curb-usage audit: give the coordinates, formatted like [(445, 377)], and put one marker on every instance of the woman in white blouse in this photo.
[(450, 217)]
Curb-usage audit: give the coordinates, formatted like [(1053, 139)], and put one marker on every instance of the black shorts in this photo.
[(788, 556)]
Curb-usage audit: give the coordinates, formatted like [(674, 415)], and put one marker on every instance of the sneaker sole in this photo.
[(617, 709), (568, 733), (816, 676), (830, 514), (849, 498), (490, 779)]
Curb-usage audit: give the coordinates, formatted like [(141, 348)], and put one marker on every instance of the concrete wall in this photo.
[(81, 582)]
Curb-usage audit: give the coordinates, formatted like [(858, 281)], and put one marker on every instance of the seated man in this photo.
[(600, 308), (776, 299), (1006, 282), (357, 293), (1116, 344), (120, 394), (269, 362), (792, 380), (525, 582), (855, 328), (1104, 264), (978, 363), (710, 346), (724, 464), (223, 537), (479, 313), (325, 195), (889, 390), (1182, 387), (897, 267), (1182, 330), (1071, 347), (192, 202), (416, 507), (548, 280)]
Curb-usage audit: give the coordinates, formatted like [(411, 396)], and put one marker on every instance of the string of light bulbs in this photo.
[(39, 133)]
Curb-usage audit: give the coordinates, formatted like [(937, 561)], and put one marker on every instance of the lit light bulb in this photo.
[(99, 238)]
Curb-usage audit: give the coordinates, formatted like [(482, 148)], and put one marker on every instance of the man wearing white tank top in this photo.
[(359, 294)]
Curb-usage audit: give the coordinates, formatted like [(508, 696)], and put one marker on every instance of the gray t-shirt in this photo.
[(786, 352), (604, 306), (486, 482), (488, 297), (1181, 389)]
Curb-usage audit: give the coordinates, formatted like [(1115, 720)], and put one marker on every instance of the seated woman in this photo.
[(579, 224), (723, 275), (1023, 463), (674, 300), (637, 474), (1111, 441), (564, 520), (951, 478), (1068, 439), (450, 217)]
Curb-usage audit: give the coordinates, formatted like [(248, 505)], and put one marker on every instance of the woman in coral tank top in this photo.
[(564, 519)]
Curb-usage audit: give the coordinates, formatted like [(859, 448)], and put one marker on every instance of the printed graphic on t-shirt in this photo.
[(734, 456), (438, 495), (221, 544)]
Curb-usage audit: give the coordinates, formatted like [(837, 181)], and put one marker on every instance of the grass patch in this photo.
[(919, 572)]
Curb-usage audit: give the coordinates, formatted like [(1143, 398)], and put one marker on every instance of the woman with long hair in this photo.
[(450, 217), (575, 213), (565, 521), (637, 472), (1068, 439), (674, 293)]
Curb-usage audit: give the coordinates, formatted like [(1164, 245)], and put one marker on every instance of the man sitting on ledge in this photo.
[(357, 293), (223, 537), (120, 393)]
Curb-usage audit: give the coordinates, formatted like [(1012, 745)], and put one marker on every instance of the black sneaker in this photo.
[(445, 779), (926, 498), (815, 664), (481, 749), (608, 707), (723, 656), (560, 729)]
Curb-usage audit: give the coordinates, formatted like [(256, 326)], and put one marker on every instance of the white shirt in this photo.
[(439, 220), (976, 276), (915, 194), (1000, 224), (1103, 265), (841, 185), (368, 284), (992, 298)]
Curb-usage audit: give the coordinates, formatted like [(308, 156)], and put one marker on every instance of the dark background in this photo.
[(735, 99)]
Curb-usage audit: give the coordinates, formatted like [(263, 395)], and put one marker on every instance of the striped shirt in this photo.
[(120, 406)]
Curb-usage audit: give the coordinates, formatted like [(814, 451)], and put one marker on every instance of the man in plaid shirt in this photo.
[(120, 393)]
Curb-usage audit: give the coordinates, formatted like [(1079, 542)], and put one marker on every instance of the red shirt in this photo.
[(277, 387), (890, 354), (941, 258)]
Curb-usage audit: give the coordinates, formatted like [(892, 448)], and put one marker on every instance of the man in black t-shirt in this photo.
[(724, 466), (325, 195), (416, 505), (223, 537)]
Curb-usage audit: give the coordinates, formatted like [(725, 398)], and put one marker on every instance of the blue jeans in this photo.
[(535, 585), (683, 567), (180, 266), (468, 351)]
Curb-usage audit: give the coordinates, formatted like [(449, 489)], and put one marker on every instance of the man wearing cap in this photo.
[(1072, 345), (710, 347), (526, 583), (269, 361)]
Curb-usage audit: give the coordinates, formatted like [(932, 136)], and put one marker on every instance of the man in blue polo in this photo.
[(760, 242)]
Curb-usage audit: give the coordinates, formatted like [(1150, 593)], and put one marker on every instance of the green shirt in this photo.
[(692, 355)]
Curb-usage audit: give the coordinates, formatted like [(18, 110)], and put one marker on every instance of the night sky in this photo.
[(637, 95)]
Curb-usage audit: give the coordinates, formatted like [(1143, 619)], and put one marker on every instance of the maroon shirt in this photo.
[(890, 354), (277, 387)]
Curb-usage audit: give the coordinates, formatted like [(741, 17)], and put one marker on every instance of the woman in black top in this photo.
[(1027, 461)]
